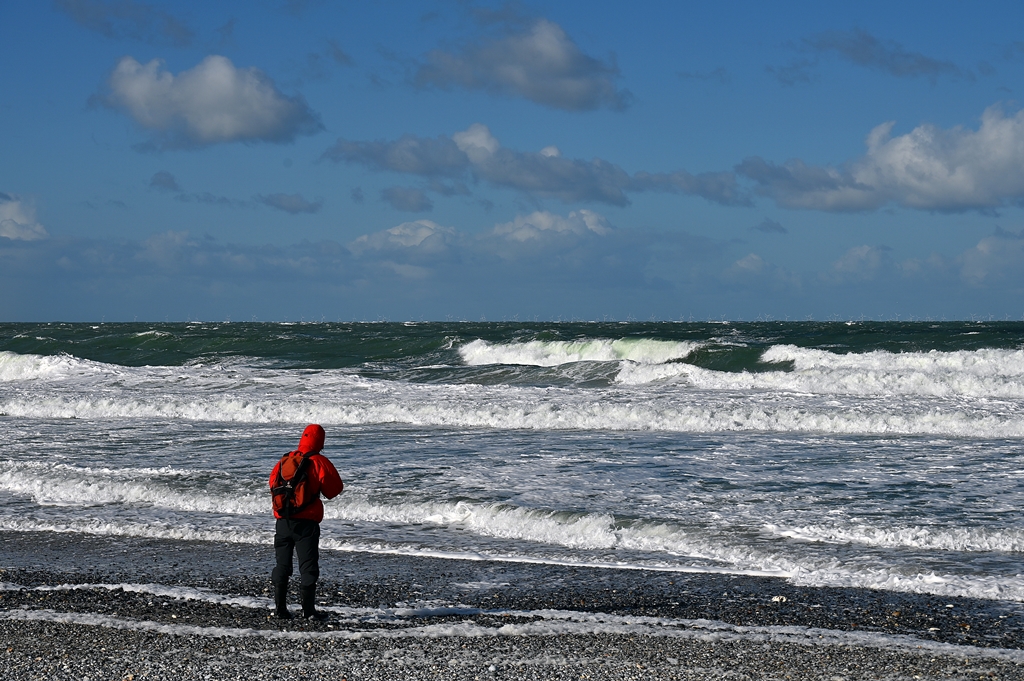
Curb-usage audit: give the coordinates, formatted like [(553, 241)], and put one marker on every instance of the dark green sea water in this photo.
[(725, 346)]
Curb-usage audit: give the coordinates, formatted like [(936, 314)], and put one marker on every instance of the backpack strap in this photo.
[(300, 470), (279, 481)]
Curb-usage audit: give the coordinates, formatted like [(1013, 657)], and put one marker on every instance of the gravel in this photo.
[(199, 610)]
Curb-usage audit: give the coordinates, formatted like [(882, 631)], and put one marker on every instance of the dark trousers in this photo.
[(303, 538)]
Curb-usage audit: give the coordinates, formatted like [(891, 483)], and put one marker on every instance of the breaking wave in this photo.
[(499, 407), (554, 353), (930, 538), (975, 373), (65, 485), (534, 415), (15, 367)]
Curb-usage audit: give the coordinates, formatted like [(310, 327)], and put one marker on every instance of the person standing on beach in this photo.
[(298, 529)]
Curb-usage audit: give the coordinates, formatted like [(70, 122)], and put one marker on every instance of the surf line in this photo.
[(706, 630), (329, 545)]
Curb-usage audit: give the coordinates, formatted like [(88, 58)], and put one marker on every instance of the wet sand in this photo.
[(195, 610)]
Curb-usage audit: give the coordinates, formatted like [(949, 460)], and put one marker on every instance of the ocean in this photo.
[(864, 454)]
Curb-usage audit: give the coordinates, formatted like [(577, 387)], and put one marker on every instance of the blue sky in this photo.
[(289, 160)]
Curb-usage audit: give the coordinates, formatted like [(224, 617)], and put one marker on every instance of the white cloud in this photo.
[(210, 103), (18, 220), (540, 63), (476, 152), (423, 235), (408, 154), (753, 270), (540, 223), (539, 247), (949, 169), (426, 237), (928, 168), (994, 258), (752, 263), (476, 142)]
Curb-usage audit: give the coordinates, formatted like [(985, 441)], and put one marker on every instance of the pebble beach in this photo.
[(81, 607)]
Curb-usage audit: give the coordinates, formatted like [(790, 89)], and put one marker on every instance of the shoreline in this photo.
[(412, 617)]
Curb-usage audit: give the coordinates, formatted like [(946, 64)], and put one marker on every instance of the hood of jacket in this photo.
[(312, 439)]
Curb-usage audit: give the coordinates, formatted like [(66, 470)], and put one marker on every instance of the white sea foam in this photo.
[(976, 373), (571, 535), (990, 373), (152, 530), (582, 532), (970, 586), (744, 560), (974, 394), (981, 362), (15, 367), (547, 409), (65, 485), (918, 537), (156, 530), (338, 398), (985, 372), (553, 353)]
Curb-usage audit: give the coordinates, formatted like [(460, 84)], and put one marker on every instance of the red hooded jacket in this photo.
[(321, 472)]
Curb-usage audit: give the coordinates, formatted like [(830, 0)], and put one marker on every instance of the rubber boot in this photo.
[(281, 600), (309, 611)]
